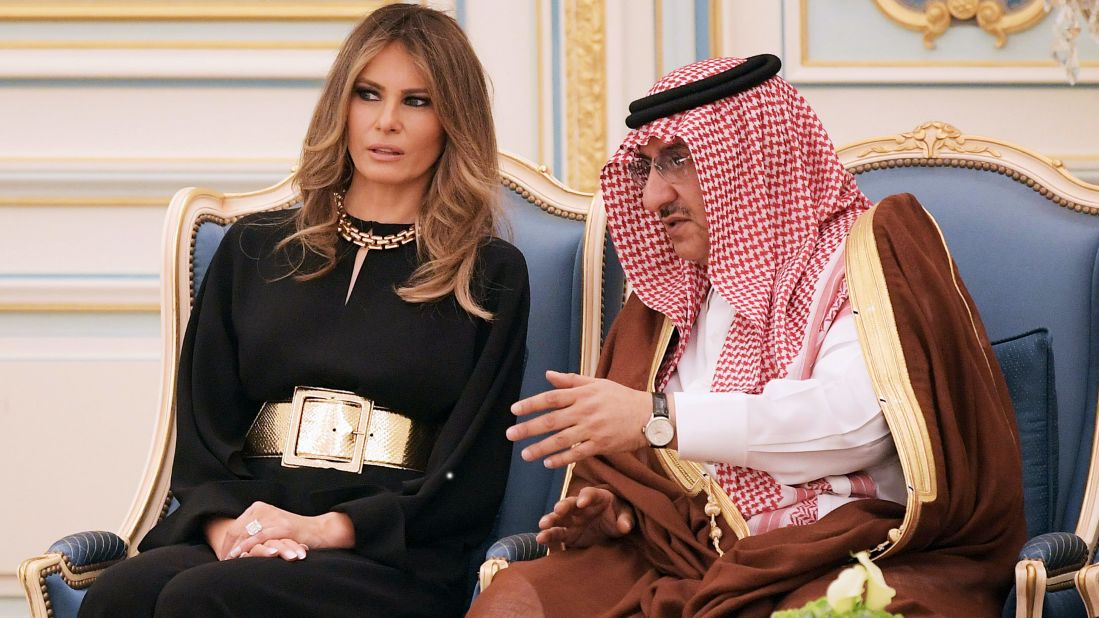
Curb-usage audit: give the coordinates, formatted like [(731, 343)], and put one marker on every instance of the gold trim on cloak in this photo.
[(881, 347)]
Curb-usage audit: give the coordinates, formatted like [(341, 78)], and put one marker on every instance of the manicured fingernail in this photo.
[(510, 433), (233, 553), (515, 408), (525, 454), (271, 551), (547, 463), (301, 554)]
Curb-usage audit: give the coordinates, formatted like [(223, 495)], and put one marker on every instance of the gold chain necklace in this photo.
[(369, 240)]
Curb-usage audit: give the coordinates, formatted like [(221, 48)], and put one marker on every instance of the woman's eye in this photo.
[(367, 94), (417, 101)]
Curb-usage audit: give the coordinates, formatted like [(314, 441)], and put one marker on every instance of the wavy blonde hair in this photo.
[(459, 211)]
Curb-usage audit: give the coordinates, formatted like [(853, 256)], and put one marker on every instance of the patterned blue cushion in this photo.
[(1027, 363)]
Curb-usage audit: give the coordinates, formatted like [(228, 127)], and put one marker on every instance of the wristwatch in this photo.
[(659, 430)]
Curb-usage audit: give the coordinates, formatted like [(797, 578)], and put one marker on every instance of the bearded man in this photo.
[(798, 375)]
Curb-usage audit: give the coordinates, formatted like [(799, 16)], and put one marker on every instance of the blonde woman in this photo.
[(385, 289)]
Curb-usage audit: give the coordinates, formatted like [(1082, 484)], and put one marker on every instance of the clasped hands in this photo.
[(281, 533), (586, 417)]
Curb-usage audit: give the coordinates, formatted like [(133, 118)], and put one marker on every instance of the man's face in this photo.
[(676, 196)]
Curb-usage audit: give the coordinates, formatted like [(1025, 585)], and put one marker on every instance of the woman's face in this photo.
[(393, 133)]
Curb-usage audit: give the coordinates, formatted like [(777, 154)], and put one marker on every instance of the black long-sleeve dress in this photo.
[(254, 336)]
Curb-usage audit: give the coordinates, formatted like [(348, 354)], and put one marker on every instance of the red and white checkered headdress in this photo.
[(778, 205)]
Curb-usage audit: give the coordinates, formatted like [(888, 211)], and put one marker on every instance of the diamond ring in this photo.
[(253, 527)]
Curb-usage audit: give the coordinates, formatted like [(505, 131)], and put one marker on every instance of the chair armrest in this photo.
[(55, 581), (1060, 552), (1041, 559), (514, 548), (87, 549)]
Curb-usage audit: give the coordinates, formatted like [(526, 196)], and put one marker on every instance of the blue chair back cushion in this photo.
[(1026, 261), (1027, 363)]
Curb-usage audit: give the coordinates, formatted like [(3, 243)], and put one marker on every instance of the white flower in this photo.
[(846, 590), (878, 593)]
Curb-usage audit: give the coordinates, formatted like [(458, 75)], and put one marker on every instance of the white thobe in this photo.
[(796, 430)]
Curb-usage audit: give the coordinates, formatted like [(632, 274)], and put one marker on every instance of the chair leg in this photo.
[(1087, 585), (1030, 588)]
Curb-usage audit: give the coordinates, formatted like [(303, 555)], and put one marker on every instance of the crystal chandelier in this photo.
[(1069, 16)]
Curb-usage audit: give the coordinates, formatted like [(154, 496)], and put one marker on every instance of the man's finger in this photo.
[(557, 442), (546, 400), (564, 507), (551, 536), (625, 522), (592, 495), (579, 451), (567, 380), (546, 423)]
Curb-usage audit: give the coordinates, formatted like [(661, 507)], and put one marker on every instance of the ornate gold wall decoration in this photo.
[(585, 92), (931, 137), (933, 17)]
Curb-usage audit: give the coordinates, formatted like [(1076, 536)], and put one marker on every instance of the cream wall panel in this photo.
[(84, 240), (505, 33), (1057, 122), (631, 61), (100, 408), (750, 27), (675, 23), (158, 119)]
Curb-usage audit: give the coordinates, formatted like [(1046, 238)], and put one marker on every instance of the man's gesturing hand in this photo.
[(587, 518), (588, 416)]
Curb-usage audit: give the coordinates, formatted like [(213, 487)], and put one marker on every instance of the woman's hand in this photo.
[(328, 531), (283, 548), (216, 529), (592, 516)]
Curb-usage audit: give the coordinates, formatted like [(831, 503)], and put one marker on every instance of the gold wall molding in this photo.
[(717, 44), (805, 64), (79, 295), (939, 15), (160, 10), (90, 201), (585, 91)]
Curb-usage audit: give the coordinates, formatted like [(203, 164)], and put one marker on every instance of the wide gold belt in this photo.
[(324, 428)]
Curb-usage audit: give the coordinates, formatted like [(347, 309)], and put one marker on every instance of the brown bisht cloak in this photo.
[(949, 551)]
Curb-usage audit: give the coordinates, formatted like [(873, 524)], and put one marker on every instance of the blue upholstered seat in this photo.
[(565, 248)]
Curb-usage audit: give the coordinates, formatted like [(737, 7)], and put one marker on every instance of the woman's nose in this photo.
[(388, 117)]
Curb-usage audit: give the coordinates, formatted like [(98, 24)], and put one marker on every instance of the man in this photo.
[(816, 351)]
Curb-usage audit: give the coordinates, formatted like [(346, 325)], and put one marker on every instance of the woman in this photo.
[(388, 285)]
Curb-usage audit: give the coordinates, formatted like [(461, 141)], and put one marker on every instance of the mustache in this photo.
[(673, 209)]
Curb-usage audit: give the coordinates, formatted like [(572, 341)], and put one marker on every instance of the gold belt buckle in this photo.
[(321, 412)]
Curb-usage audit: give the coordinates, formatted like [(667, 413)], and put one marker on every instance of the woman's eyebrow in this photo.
[(370, 84)]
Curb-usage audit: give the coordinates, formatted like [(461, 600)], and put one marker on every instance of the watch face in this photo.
[(659, 431)]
